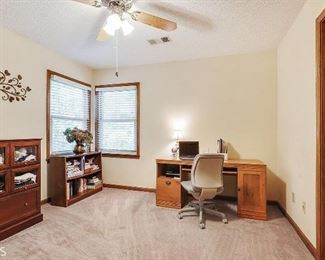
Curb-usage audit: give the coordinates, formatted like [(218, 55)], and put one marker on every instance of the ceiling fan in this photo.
[(119, 11)]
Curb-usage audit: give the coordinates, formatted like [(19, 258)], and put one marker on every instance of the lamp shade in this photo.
[(113, 23), (126, 27)]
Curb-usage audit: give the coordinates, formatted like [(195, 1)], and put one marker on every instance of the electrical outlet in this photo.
[(293, 197), (304, 207)]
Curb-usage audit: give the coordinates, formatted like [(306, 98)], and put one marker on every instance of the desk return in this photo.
[(251, 185)]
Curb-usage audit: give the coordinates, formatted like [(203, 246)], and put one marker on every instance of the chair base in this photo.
[(203, 207)]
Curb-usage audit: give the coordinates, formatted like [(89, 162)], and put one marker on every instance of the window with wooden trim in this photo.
[(68, 106), (117, 120)]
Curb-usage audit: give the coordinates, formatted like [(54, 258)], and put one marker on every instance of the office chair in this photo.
[(206, 182)]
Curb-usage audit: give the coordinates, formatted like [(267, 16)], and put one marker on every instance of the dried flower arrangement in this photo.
[(81, 137)]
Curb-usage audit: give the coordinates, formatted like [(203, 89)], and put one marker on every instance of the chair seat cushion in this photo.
[(187, 185)]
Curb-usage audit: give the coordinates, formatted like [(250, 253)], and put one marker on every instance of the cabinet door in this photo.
[(25, 153), (252, 192), (4, 155), (4, 183), (25, 178)]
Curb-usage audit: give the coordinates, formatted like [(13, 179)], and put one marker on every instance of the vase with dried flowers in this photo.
[(81, 137)]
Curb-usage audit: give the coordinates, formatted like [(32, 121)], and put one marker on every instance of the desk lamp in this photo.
[(178, 134)]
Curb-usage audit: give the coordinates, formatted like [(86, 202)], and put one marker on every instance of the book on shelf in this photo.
[(94, 186), (80, 185), (68, 190), (74, 168), (93, 183)]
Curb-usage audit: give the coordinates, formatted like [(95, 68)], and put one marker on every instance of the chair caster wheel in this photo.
[(180, 216), (202, 225), (225, 221)]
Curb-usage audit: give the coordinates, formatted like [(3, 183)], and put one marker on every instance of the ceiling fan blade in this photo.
[(187, 18), (96, 3), (154, 21), (102, 36)]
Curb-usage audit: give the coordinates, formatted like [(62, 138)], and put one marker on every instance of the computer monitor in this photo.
[(188, 149)]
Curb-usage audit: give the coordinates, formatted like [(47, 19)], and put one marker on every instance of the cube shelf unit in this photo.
[(20, 178), (59, 182)]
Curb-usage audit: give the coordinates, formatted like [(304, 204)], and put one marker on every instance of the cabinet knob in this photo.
[(238, 189), (168, 182), (26, 204)]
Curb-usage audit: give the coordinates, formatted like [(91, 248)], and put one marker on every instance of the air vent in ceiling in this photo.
[(159, 41), (152, 41)]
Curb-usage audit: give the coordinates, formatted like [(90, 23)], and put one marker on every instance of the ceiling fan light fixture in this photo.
[(127, 28), (113, 23), (108, 29)]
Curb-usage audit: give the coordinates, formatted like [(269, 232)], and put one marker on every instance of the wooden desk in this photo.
[(251, 185)]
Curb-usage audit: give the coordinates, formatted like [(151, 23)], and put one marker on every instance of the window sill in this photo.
[(126, 156)]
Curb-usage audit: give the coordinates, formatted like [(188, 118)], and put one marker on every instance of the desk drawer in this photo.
[(168, 192), (18, 206)]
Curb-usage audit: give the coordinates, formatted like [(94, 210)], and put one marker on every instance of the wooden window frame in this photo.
[(49, 74), (116, 155), (320, 136)]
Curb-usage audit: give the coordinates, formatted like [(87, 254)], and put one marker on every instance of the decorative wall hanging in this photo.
[(11, 87)]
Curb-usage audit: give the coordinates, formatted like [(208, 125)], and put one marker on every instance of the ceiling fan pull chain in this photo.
[(116, 54)]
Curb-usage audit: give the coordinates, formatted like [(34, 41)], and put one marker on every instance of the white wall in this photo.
[(238, 94), (233, 97), (28, 119), (296, 118)]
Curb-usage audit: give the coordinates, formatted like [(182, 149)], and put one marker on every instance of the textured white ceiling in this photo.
[(206, 28)]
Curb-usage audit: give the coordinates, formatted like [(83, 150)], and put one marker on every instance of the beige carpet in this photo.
[(118, 224)]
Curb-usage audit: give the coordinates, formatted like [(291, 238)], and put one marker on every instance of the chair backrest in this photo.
[(207, 171)]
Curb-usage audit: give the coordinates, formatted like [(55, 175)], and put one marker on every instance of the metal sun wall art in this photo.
[(11, 87)]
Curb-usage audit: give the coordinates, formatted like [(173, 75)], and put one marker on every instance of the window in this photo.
[(68, 106), (117, 120)]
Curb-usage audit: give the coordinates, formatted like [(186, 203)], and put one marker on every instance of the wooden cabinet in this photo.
[(252, 192), (20, 178), (251, 185), (69, 174), (168, 192)]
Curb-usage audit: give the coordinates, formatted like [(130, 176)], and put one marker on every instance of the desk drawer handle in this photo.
[(26, 204), (168, 183)]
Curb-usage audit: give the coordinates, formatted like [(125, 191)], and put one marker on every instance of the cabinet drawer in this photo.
[(168, 192), (18, 206), (260, 169)]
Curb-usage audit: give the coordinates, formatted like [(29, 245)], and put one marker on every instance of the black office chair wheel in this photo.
[(180, 216), (202, 225), (225, 221)]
